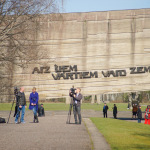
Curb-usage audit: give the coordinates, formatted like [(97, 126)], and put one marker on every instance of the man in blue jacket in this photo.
[(105, 108), (77, 105), (34, 97)]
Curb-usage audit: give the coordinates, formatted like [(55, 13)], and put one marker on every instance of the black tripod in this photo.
[(11, 108), (69, 114), (16, 109)]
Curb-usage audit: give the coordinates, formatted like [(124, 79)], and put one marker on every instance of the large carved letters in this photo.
[(41, 70), (139, 70), (116, 73), (71, 72), (65, 68)]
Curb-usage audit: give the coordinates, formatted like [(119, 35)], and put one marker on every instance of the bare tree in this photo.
[(18, 26)]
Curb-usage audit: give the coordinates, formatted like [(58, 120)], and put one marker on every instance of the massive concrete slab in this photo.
[(94, 41)]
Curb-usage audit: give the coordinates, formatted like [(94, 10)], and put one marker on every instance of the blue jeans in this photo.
[(34, 111), (139, 120), (22, 115)]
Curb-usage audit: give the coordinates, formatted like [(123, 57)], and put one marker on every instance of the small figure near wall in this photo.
[(115, 111)]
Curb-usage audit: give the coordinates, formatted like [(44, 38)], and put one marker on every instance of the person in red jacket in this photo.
[(147, 115)]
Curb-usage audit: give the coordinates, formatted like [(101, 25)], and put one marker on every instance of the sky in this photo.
[(103, 5)]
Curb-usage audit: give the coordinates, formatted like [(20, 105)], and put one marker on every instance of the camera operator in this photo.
[(77, 105), (21, 105), (34, 97)]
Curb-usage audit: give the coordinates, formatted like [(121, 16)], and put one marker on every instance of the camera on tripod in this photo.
[(73, 92), (16, 91), (16, 97)]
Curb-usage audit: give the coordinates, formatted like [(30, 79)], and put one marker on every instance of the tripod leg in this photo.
[(69, 114), (11, 110), (67, 119)]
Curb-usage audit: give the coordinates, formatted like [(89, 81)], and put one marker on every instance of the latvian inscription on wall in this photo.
[(66, 72), (71, 72)]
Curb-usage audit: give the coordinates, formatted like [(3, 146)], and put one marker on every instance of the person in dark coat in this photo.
[(139, 114), (115, 111), (21, 105), (34, 97), (105, 108), (77, 105)]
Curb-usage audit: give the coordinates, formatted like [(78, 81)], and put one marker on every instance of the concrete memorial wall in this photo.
[(100, 52)]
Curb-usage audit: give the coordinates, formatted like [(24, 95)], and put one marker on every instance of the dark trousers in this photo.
[(77, 110), (105, 114), (115, 115)]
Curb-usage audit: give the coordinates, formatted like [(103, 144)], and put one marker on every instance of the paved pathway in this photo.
[(52, 133)]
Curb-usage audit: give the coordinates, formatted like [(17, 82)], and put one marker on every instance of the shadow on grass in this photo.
[(141, 147), (144, 134), (121, 118)]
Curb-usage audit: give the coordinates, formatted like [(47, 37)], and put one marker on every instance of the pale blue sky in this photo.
[(103, 5)]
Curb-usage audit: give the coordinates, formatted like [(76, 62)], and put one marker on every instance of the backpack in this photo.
[(2, 120)]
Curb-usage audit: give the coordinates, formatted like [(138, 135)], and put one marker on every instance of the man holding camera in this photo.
[(77, 105), (21, 105)]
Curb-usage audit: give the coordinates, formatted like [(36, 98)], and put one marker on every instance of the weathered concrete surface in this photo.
[(94, 41)]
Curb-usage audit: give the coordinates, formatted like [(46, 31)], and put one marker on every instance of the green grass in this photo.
[(63, 106), (124, 135), (96, 107)]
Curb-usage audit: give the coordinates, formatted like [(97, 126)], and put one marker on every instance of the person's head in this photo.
[(148, 106), (41, 105), (105, 104), (22, 89), (114, 104), (34, 89), (140, 106), (78, 90)]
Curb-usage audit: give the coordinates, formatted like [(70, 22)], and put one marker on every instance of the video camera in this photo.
[(73, 92), (16, 91)]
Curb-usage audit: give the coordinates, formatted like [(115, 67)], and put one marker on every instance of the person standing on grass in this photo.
[(139, 114), (147, 115), (115, 111), (105, 108), (34, 97)]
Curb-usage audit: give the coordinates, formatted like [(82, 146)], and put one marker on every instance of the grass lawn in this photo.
[(124, 135), (63, 106)]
